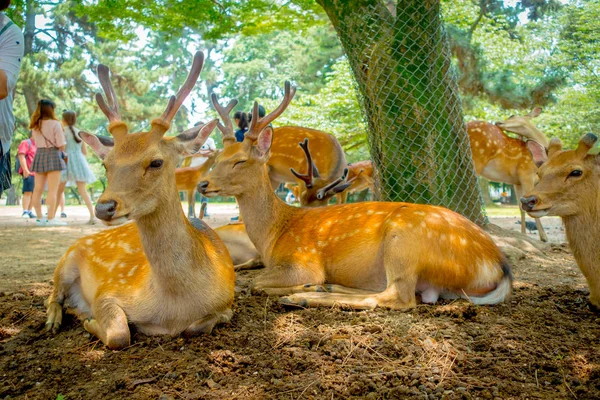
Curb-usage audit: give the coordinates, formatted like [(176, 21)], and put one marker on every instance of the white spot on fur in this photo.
[(132, 271), (429, 234), (370, 212), (423, 224), (419, 213), (463, 241), (126, 247), (442, 237), (122, 281), (89, 242)]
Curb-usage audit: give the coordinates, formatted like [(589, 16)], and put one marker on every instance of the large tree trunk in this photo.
[(417, 137), (484, 186), (30, 89)]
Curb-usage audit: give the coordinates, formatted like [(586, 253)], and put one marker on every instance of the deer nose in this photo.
[(202, 186), (527, 203), (106, 210)]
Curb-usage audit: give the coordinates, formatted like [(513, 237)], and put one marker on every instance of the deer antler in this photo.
[(312, 171), (163, 123), (258, 124), (227, 129), (337, 186), (116, 127)]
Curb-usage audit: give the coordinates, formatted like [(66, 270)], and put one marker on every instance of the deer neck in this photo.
[(170, 249), (583, 231), (265, 215)]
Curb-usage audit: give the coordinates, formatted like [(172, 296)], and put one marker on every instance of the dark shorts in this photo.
[(48, 160), (28, 184)]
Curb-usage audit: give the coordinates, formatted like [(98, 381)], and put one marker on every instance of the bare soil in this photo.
[(543, 343)]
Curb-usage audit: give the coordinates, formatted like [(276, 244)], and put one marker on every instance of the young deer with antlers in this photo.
[(569, 187), (361, 255), (160, 273), (360, 174), (501, 158), (285, 156)]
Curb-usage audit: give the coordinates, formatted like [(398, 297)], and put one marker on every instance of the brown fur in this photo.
[(240, 247), (576, 200), (501, 158), (158, 273), (368, 254), (285, 154), (362, 173)]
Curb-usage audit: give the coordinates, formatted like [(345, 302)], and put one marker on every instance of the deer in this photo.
[(361, 255), (361, 175), (500, 158), (157, 272), (187, 178), (569, 187)]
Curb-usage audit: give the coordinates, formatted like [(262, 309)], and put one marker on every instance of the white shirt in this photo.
[(12, 48), (199, 160)]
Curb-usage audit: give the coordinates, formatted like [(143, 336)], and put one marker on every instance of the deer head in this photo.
[(522, 125), (140, 166), (316, 191), (568, 183), (239, 162)]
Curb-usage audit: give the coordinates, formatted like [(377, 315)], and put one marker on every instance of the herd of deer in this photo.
[(167, 274)]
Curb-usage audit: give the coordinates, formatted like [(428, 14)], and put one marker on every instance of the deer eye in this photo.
[(576, 173), (156, 164), (239, 162)]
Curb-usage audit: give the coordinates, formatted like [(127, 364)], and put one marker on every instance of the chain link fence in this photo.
[(408, 92)]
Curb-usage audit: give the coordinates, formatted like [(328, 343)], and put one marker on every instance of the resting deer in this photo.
[(569, 187), (159, 273), (361, 255), (240, 247), (501, 158), (187, 178)]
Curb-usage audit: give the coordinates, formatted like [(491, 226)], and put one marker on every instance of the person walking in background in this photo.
[(48, 135), (11, 54), (78, 170), (26, 154), (200, 158), (241, 121)]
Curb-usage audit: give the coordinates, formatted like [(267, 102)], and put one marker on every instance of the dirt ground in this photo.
[(543, 343)]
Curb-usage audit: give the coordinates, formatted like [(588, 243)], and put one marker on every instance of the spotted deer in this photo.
[(187, 178), (500, 158), (361, 175), (569, 187), (158, 273), (286, 158), (360, 255)]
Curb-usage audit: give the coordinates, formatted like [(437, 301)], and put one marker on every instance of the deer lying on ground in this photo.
[(361, 255), (240, 247), (501, 158), (569, 188), (187, 178), (159, 273)]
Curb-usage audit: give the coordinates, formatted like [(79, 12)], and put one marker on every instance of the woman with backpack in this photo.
[(49, 160), (78, 170)]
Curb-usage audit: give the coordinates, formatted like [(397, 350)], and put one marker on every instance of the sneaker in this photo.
[(235, 219), (31, 214), (25, 214), (63, 215), (55, 222), (206, 214), (41, 222)]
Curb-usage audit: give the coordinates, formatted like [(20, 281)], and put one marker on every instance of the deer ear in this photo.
[(262, 145), (190, 141), (101, 145), (535, 112), (538, 152), (585, 144)]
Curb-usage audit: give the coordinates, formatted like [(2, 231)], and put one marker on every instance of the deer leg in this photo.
[(110, 325), (543, 236), (519, 194), (206, 324), (66, 273), (286, 280), (191, 203), (254, 263)]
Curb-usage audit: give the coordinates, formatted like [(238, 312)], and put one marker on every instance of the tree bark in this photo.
[(484, 186), (417, 138)]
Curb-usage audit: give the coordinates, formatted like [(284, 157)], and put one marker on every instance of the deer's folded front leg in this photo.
[(110, 324), (206, 324)]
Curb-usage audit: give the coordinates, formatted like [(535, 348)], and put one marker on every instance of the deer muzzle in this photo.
[(528, 203), (106, 210)]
